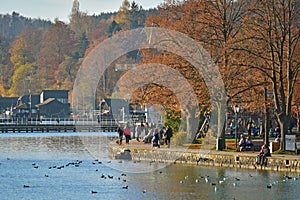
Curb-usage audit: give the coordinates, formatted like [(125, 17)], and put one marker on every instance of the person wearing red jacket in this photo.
[(127, 134)]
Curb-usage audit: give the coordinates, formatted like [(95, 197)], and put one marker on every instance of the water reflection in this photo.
[(53, 145), (171, 182)]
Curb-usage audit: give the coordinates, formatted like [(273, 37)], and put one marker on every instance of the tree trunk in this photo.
[(221, 126), (284, 126), (192, 123), (266, 119)]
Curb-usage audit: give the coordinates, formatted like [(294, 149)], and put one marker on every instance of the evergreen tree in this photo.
[(114, 27), (81, 46)]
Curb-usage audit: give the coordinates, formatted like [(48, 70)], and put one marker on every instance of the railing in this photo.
[(58, 121)]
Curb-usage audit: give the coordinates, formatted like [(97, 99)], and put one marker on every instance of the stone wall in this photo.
[(206, 158)]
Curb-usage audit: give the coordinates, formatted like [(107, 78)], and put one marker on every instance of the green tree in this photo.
[(81, 46), (135, 17), (113, 28)]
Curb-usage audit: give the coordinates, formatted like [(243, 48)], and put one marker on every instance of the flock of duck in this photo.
[(214, 182), (206, 179)]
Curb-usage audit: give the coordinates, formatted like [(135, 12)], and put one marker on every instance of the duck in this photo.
[(110, 177)]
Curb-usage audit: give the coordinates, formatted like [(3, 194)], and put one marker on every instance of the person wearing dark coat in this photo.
[(155, 140), (261, 158), (121, 133), (168, 135)]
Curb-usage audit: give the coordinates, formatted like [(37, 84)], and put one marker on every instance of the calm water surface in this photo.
[(77, 166)]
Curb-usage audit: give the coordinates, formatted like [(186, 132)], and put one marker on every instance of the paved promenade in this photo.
[(139, 151), (141, 145)]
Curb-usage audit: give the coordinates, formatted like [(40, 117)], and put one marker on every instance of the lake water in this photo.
[(77, 166)]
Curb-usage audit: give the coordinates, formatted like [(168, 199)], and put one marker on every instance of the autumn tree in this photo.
[(56, 45), (23, 80), (23, 51), (5, 69), (274, 26), (130, 15), (215, 25), (123, 12)]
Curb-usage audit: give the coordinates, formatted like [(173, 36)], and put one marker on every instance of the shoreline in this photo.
[(202, 157)]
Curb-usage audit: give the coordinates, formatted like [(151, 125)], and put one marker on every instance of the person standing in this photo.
[(249, 127), (133, 130), (142, 134), (120, 132), (146, 129), (168, 135), (155, 140), (127, 134), (138, 132)]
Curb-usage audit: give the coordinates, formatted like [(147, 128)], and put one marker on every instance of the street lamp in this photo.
[(236, 111)]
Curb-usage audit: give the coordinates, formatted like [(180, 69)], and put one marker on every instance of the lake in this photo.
[(77, 166)]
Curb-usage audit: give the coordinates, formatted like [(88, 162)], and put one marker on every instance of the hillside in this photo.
[(38, 54)]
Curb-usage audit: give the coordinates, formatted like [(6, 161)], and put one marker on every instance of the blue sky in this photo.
[(51, 9)]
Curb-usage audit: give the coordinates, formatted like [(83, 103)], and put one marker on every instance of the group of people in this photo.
[(245, 142), (126, 132), (150, 134), (265, 152)]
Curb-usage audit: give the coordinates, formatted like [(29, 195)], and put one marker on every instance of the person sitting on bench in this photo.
[(242, 142), (249, 143)]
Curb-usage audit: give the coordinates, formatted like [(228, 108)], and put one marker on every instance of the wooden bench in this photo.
[(256, 145)]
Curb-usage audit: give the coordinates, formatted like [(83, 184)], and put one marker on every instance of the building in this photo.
[(53, 108), (25, 106), (6, 105), (49, 103), (60, 95), (54, 103)]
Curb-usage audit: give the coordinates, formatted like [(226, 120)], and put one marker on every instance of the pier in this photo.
[(57, 125)]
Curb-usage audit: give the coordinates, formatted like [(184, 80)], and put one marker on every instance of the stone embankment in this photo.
[(246, 160)]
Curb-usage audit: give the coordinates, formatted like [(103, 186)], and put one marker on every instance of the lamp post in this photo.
[(236, 111), (30, 105)]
